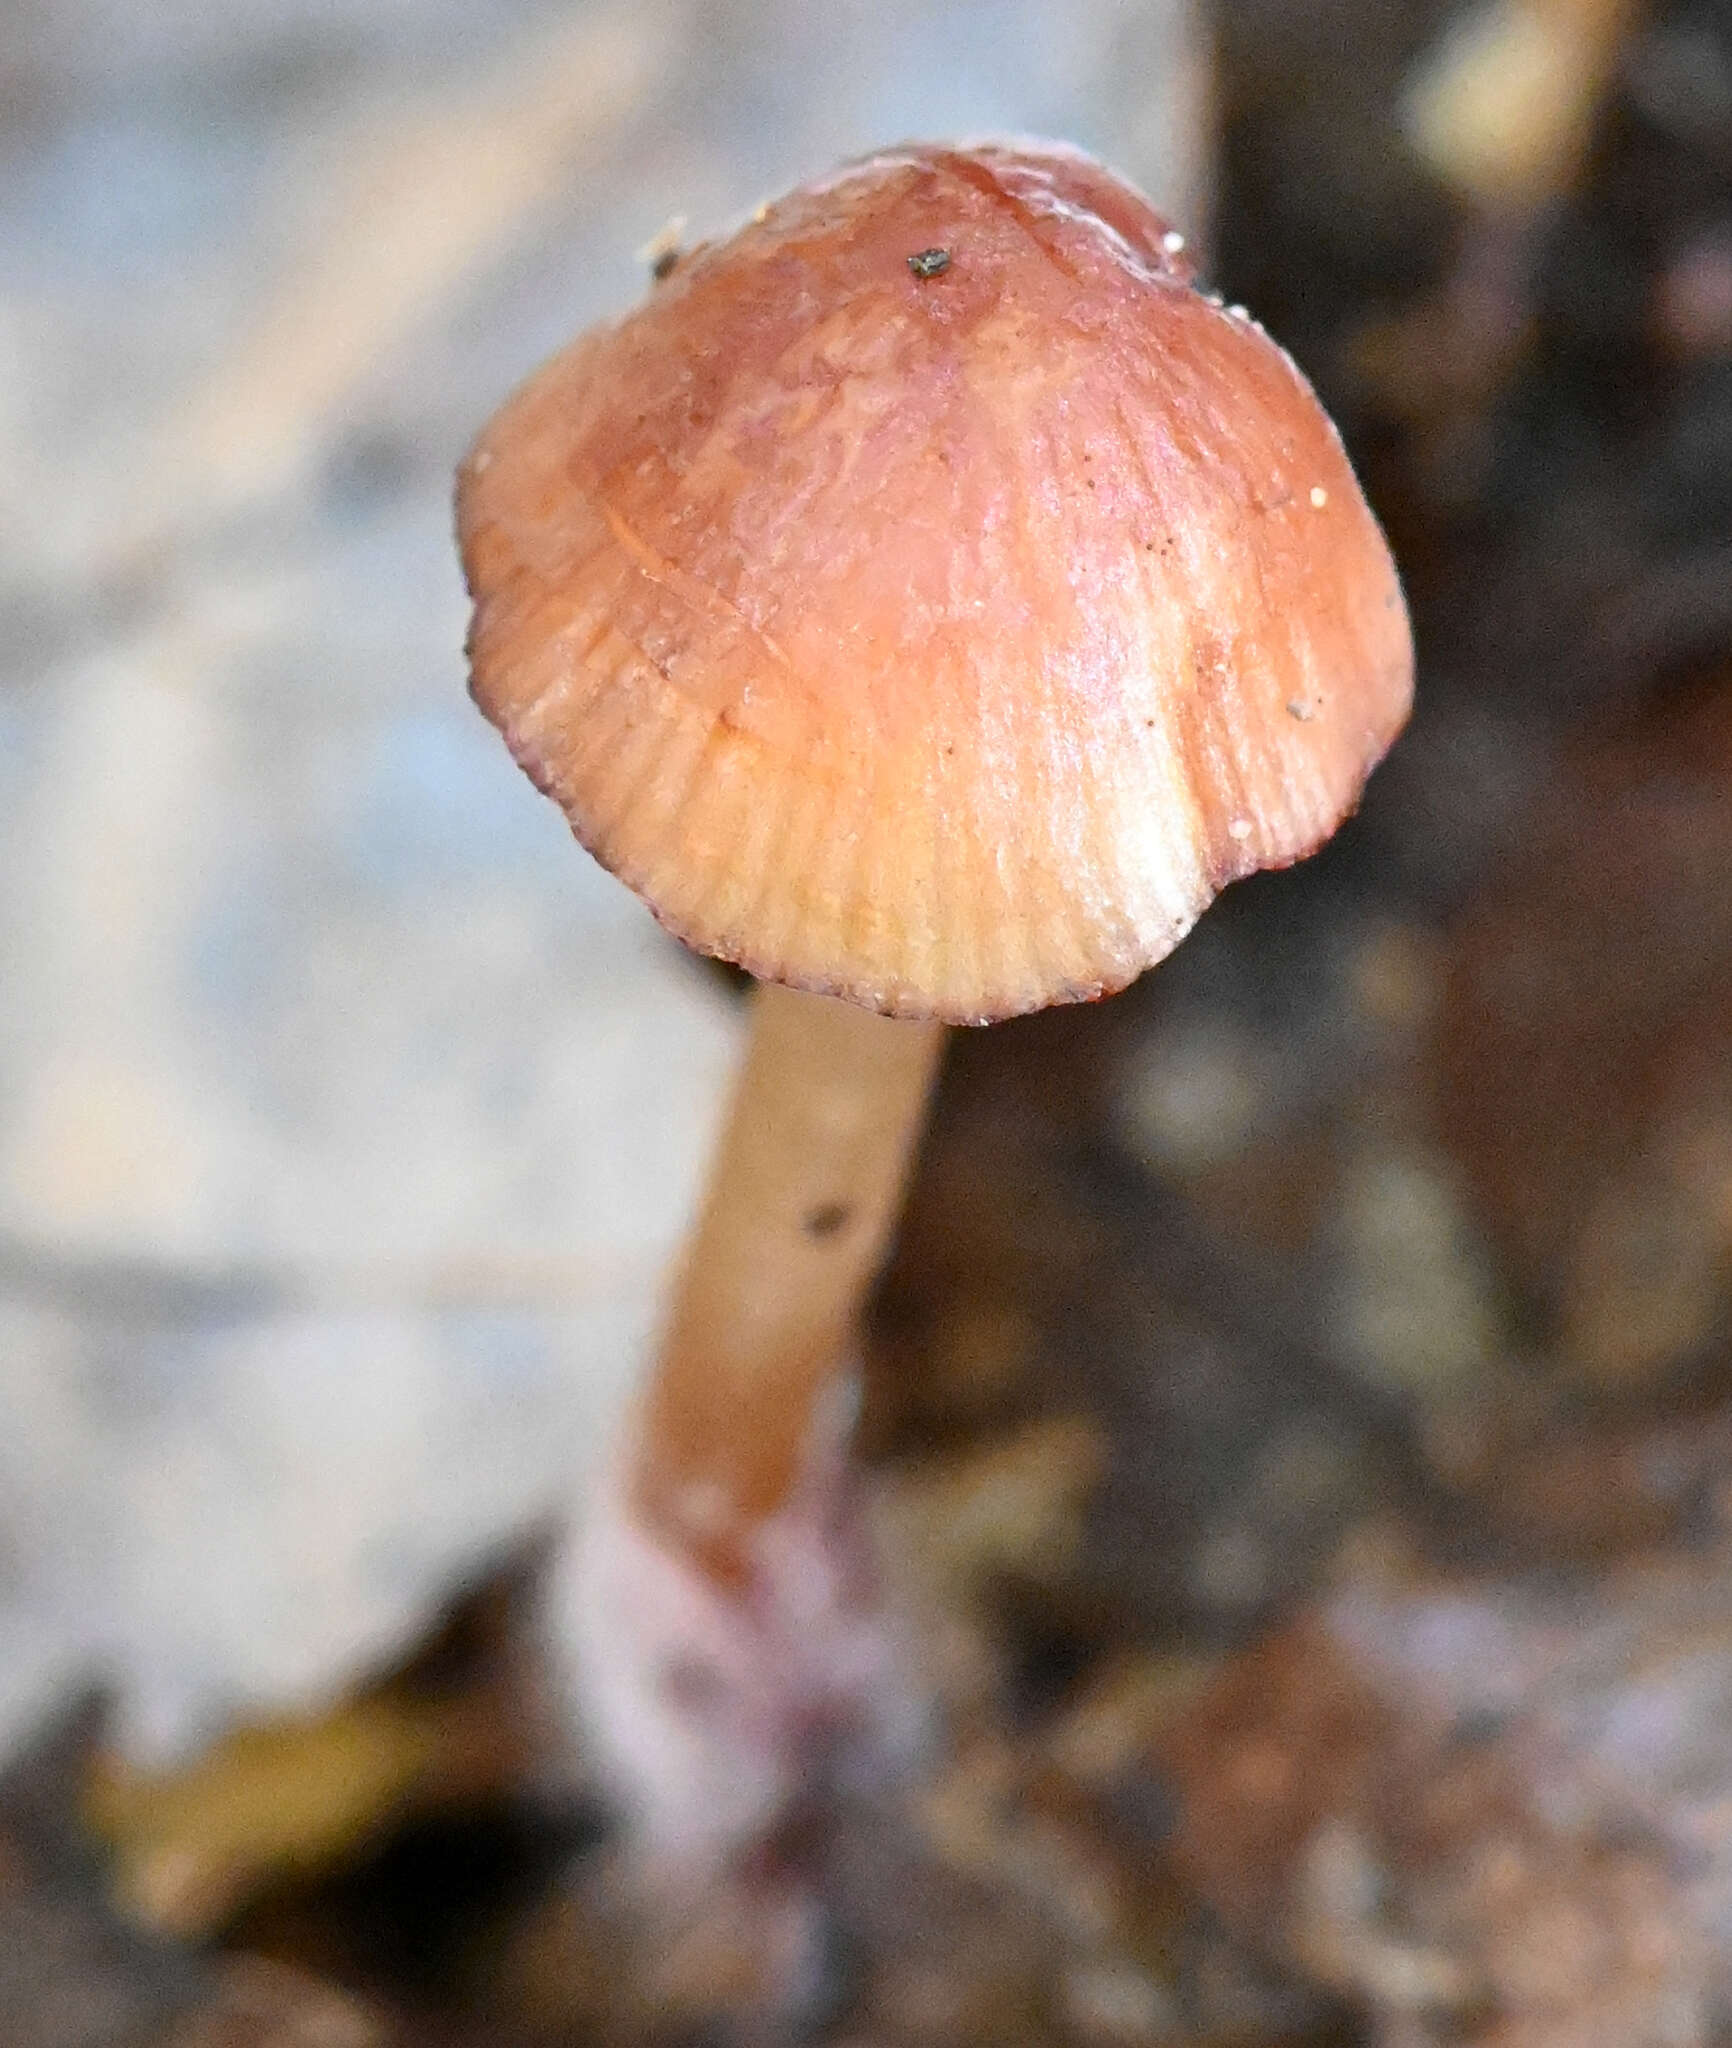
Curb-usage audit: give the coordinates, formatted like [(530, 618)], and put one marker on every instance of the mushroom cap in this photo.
[(942, 634)]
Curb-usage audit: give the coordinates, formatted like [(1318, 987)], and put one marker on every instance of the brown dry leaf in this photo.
[(266, 1802), (1491, 1811), (1502, 106)]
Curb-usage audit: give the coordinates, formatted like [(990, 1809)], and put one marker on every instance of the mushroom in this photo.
[(928, 600)]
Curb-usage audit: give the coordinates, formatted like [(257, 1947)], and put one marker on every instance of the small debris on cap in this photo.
[(663, 249), (929, 262), (1172, 241), (1319, 496)]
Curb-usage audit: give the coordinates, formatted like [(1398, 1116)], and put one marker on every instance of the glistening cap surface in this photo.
[(939, 633)]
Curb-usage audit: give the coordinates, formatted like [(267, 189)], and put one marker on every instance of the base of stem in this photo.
[(722, 1716)]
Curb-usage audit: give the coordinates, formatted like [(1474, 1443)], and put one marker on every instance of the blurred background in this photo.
[(1302, 1398)]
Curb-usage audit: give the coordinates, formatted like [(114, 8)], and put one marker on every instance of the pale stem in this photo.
[(802, 1200)]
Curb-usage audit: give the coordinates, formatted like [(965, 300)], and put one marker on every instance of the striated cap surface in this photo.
[(941, 634)]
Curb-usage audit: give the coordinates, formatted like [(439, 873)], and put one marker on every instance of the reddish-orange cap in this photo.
[(928, 596)]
